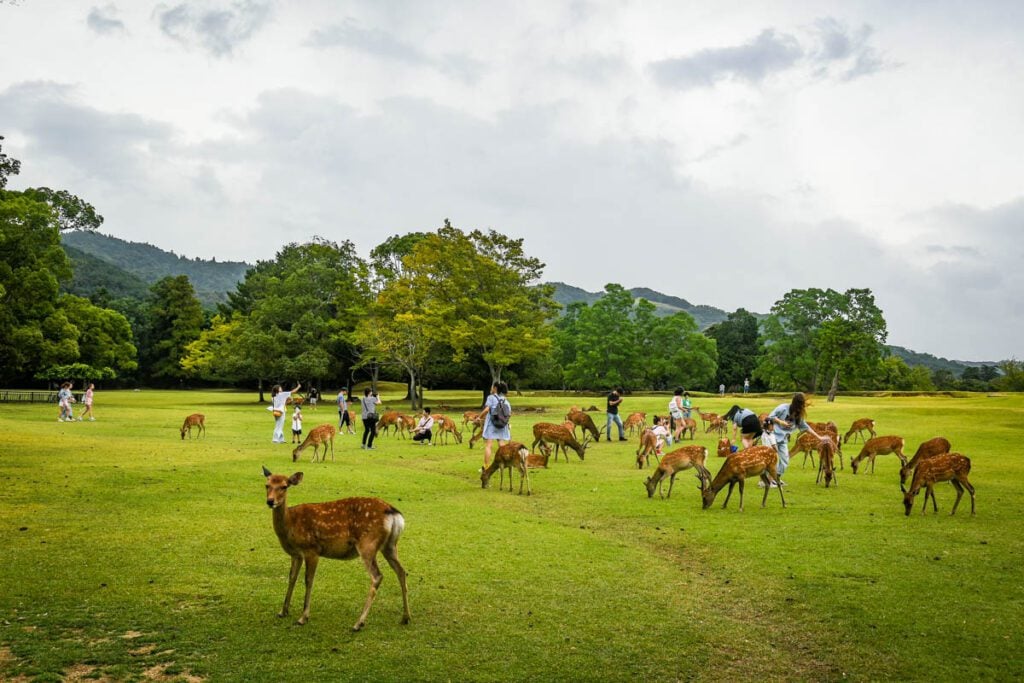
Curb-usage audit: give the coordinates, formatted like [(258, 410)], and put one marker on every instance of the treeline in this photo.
[(448, 308)]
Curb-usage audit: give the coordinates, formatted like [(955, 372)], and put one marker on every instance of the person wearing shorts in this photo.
[(746, 423)]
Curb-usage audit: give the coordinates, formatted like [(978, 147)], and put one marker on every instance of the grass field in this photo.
[(134, 555)]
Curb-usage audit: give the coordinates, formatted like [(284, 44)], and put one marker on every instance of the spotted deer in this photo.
[(858, 428), (541, 460), (445, 426), (705, 418), (928, 449), (717, 424), (826, 461), (406, 425), (562, 438), (636, 422), (880, 445), (390, 419), (755, 461), (318, 436), (687, 457), (340, 530), (584, 422), (951, 467), (197, 420), (512, 454), (808, 444), (830, 430), (689, 425), (648, 445), (724, 448), (469, 418)]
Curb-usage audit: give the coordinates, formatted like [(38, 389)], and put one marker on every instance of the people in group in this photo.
[(297, 424), (677, 414), (423, 432), (369, 403), (64, 401), (784, 419), (498, 398), (344, 419), (278, 403), (612, 411), (87, 401), (313, 395), (746, 423)]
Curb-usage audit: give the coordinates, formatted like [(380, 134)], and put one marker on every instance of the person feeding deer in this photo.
[(784, 419)]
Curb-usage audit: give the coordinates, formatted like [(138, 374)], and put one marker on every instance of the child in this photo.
[(88, 404), (297, 425), (661, 432), (65, 399)]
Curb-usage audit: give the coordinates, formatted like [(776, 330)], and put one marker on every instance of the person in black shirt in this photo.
[(614, 399)]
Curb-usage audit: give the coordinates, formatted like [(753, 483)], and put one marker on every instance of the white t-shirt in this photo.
[(297, 421)]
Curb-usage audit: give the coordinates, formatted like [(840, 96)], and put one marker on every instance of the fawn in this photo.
[(197, 420)]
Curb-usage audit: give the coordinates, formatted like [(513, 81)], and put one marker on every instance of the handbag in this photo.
[(278, 413)]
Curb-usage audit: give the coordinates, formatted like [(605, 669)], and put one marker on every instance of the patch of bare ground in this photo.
[(85, 672), (158, 672)]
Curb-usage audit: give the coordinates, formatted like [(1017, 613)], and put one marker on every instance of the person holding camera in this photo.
[(278, 402), (369, 403)]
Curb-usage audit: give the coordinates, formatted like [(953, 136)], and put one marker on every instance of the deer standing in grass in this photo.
[(636, 422), (673, 463), (826, 461), (445, 426), (584, 422), (755, 461), (928, 449), (391, 419), (830, 430), (880, 445), (197, 420), (512, 454), (951, 467), (469, 417), (858, 428), (705, 418), (561, 437), (717, 424), (322, 435), (340, 530)]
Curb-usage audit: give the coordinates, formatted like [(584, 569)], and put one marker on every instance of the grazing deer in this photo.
[(512, 454), (197, 420), (478, 431), (928, 449), (858, 427), (826, 464), (636, 422), (318, 436), (755, 461), (951, 467), (724, 447), (391, 419), (717, 424), (406, 425), (808, 444), (469, 417), (562, 438), (584, 421), (445, 426), (689, 425), (538, 461), (648, 445), (705, 418), (880, 445), (339, 530), (830, 430), (673, 463)]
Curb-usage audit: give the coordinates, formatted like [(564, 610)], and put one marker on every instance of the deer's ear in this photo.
[(266, 472), (295, 479)]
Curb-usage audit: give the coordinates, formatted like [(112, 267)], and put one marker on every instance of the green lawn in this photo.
[(134, 555)]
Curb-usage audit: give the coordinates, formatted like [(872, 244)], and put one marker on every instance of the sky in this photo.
[(723, 152)]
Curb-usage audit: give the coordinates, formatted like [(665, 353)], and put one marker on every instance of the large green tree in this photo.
[(739, 346), (173, 319)]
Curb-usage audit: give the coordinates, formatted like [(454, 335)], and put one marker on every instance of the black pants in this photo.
[(343, 419), (422, 436), (751, 425), (369, 429)]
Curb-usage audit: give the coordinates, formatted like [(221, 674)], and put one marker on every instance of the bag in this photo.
[(501, 414), (278, 413)]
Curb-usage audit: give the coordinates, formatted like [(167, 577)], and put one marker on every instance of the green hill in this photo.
[(663, 303), (145, 263), (93, 274), (933, 363)]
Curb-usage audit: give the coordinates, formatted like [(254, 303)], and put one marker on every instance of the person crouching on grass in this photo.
[(423, 433), (661, 433), (297, 425)]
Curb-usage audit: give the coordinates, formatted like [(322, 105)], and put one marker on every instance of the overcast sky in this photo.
[(724, 152)]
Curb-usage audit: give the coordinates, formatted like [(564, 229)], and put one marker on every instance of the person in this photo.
[(369, 403), (687, 405), (426, 423), (313, 395), (746, 385), (497, 399), (64, 401), (784, 419), (612, 412), (278, 403), (677, 414), (745, 420), (297, 424), (661, 433), (87, 400), (721, 390), (343, 417)]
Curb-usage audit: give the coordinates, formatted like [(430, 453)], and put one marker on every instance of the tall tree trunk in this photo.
[(835, 387), (262, 400), (414, 402)]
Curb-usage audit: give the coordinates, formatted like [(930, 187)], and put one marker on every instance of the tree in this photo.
[(674, 352), (739, 347), (174, 319), (104, 338), (815, 335), (8, 166), (1013, 375), (72, 213)]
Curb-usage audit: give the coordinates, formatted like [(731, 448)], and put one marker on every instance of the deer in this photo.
[(880, 445), (832, 431), (405, 425), (561, 436), (951, 467), (318, 436), (512, 454), (717, 424), (858, 428), (469, 417), (705, 418), (338, 530), (755, 461), (537, 461), (391, 419), (826, 464), (197, 420), (724, 447), (478, 431), (689, 425), (584, 421), (636, 422), (648, 445), (445, 426), (808, 444), (673, 463), (928, 449)]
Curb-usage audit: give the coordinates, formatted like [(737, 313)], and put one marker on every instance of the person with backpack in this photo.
[(677, 413), (496, 415)]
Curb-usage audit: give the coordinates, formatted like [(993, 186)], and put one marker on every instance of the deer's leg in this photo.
[(970, 489), (728, 494), (928, 489), (311, 563), (671, 483), (524, 473), (959, 495), (292, 575), (741, 493), (391, 555), (370, 560)]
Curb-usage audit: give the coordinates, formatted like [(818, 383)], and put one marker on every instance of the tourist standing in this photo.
[(746, 385), (496, 415), (784, 419), (612, 412), (278, 403), (87, 400), (677, 414), (369, 403), (297, 424), (344, 419), (313, 395)]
